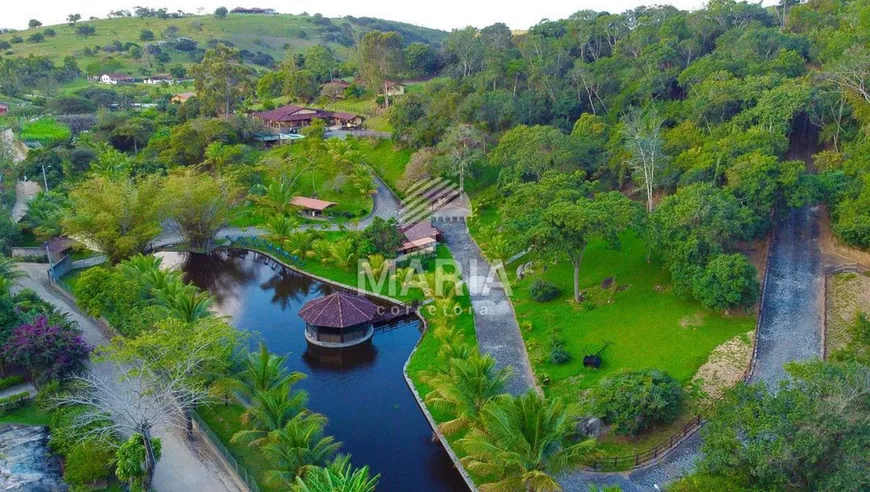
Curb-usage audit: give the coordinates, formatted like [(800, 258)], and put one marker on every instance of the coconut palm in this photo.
[(258, 372), (320, 248), (375, 265), (281, 228), (301, 244), (297, 448), (524, 442), (339, 476), (269, 411), (463, 390), (185, 302), (342, 254), (343, 155), (363, 181)]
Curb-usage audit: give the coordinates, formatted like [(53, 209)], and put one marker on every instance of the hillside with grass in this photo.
[(122, 44)]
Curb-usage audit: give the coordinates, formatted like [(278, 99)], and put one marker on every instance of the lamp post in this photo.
[(44, 179)]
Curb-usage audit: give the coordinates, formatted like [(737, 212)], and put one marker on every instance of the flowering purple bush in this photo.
[(46, 351)]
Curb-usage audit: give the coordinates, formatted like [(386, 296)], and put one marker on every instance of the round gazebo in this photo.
[(338, 320)]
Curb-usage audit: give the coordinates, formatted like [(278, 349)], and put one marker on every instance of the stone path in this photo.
[(185, 466), (498, 333)]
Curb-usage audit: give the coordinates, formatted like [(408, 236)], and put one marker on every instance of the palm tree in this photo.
[(218, 155), (342, 254), (281, 228), (269, 411), (364, 182), (344, 157), (339, 476), (301, 243), (8, 273), (464, 389), (261, 371), (523, 442), (297, 448), (186, 302)]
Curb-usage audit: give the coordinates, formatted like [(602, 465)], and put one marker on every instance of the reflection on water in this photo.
[(361, 389)]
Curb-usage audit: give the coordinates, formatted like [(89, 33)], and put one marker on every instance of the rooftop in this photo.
[(311, 203), (339, 310)]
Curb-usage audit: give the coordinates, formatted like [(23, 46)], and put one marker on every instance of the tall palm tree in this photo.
[(363, 181), (524, 442), (339, 476), (464, 389), (261, 371), (297, 448), (269, 411)]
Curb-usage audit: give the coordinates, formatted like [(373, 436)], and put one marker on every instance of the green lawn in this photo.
[(45, 131), (224, 421), (387, 160), (27, 415), (648, 325)]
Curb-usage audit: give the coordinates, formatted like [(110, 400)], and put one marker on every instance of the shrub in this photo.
[(558, 355), (46, 351), (88, 462), (10, 381), (12, 402), (632, 401), (543, 291)]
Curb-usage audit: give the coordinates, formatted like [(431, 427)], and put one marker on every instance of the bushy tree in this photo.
[(727, 281), (810, 434), (46, 351), (632, 401)]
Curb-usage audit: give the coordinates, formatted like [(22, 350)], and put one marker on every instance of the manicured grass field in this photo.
[(27, 415), (45, 131), (648, 325), (387, 160)]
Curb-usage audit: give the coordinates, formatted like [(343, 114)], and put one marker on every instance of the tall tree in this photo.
[(381, 56), (117, 216), (197, 205), (642, 131), (556, 218), (221, 80)]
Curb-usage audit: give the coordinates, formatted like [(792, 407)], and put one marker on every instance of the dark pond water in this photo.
[(361, 390)]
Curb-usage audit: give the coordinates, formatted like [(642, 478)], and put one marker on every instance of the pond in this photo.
[(361, 390)]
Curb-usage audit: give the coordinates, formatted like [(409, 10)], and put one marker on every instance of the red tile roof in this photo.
[(339, 310), (294, 113), (311, 203), (420, 230)]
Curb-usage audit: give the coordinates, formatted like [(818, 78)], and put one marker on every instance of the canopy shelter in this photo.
[(339, 320)]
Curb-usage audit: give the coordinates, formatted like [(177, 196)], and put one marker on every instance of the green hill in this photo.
[(271, 35)]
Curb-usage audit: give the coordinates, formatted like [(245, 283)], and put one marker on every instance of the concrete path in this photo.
[(790, 330), (185, 466), (24, 192), (498, 333)]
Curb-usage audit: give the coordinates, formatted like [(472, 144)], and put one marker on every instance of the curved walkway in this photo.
[(185, 466)]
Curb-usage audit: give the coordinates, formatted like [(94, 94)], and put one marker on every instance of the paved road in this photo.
[(24, 192), (185, 466), (790, 330), (498, 333)]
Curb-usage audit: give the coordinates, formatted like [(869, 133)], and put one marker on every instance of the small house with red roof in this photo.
[(311, 206), (339, 320), (4, 108)]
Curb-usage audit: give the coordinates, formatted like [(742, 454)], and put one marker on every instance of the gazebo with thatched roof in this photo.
[(339, 320)]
